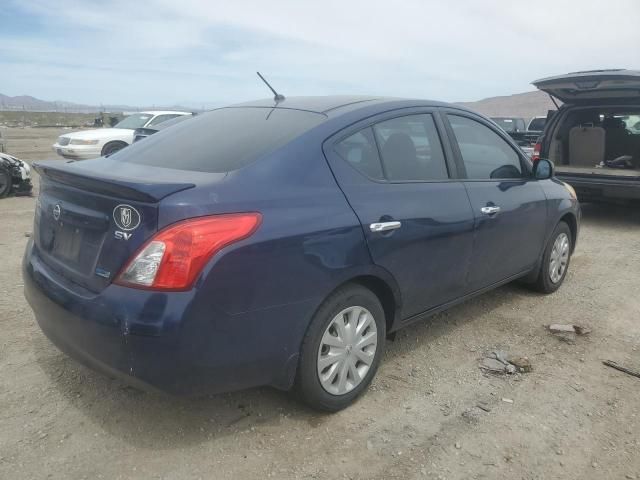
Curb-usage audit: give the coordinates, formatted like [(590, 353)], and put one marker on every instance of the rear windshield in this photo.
[(507, 124), (221, 140)]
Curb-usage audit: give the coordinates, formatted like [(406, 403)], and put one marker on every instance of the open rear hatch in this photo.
[(89, 221), (594, 85)]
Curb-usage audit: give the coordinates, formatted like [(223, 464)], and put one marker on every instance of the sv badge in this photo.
[(122, 235)]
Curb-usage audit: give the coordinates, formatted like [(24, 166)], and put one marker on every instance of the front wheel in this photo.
[(342, 349), (111, 148), (555, 261)]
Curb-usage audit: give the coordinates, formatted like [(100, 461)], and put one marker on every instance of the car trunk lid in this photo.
[(592, 86), (90, 220)]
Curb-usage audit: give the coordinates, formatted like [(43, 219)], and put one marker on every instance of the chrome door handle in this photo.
[(490, 210), (384, 226)]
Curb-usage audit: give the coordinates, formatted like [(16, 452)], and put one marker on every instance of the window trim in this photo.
[(525, 165), (449, 156)]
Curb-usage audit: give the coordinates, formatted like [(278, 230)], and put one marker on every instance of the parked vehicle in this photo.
[(510, 124), (536, 125), (279, 243), (15, 176), (592, 138), (144, 132), (98, 142), (516, 129)]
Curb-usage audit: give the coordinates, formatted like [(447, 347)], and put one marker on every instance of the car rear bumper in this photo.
[(77, 151), (601, 187), (161, 341)]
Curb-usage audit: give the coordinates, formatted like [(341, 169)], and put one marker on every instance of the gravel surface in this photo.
[(430, 413)]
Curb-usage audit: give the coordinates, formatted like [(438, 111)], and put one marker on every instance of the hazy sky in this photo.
[(198, 52)]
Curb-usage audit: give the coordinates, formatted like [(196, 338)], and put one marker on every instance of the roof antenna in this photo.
[(276, 96)]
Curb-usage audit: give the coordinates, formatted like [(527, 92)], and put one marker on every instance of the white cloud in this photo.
[(164, 51)]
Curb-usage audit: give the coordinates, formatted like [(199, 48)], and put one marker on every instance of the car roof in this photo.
[(335, 105), (165, 112)]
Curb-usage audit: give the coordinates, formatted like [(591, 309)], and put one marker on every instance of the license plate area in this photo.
[(67, 243)]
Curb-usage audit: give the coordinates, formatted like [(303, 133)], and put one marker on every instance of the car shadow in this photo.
[(154, 420), (611, 215)]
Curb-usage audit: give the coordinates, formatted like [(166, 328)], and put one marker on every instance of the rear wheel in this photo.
[(5, 182), (342, 349), (555, 261)]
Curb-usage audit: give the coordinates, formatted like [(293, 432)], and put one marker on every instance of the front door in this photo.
[(417, 221), (508, 204)]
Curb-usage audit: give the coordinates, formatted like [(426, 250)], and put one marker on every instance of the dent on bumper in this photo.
[(162, 341)]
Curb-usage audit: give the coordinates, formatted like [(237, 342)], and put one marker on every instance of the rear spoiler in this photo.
[(113, 186)]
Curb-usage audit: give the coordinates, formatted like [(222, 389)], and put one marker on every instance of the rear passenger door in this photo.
[(509, 205), (416, 216)]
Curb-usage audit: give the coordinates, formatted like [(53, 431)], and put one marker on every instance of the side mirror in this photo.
[(543, 169)]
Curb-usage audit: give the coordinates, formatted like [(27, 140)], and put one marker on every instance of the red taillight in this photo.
[(536, 151), (174, 257)]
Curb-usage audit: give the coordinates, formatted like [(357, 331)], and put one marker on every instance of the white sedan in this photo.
[(105, 141)]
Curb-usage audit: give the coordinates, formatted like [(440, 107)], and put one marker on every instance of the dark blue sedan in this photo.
[(280, 243)]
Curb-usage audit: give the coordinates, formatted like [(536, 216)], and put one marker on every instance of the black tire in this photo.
[(308, 385), (5, 183), (112, 147), (543, 282)]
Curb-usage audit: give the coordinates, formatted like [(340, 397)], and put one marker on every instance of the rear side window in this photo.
[(221, 140), (361, 152), (162, 118), (485, 154), (410, 149)]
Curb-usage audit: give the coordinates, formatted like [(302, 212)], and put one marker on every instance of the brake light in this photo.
[(174, 257), (537, 148)]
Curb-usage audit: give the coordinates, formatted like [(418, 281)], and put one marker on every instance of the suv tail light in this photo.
[(537, 148), (174, 257)]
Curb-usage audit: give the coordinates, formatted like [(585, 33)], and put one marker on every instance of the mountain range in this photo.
[(33, 104), (527, 105)]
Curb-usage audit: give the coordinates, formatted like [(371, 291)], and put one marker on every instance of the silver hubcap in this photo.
[(347, 350), (559, 258)]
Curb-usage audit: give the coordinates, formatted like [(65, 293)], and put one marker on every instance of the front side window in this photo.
[(485, 154), (410, 149)]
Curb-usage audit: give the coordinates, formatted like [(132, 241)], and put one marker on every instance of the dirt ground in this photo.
[(571, 417)]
